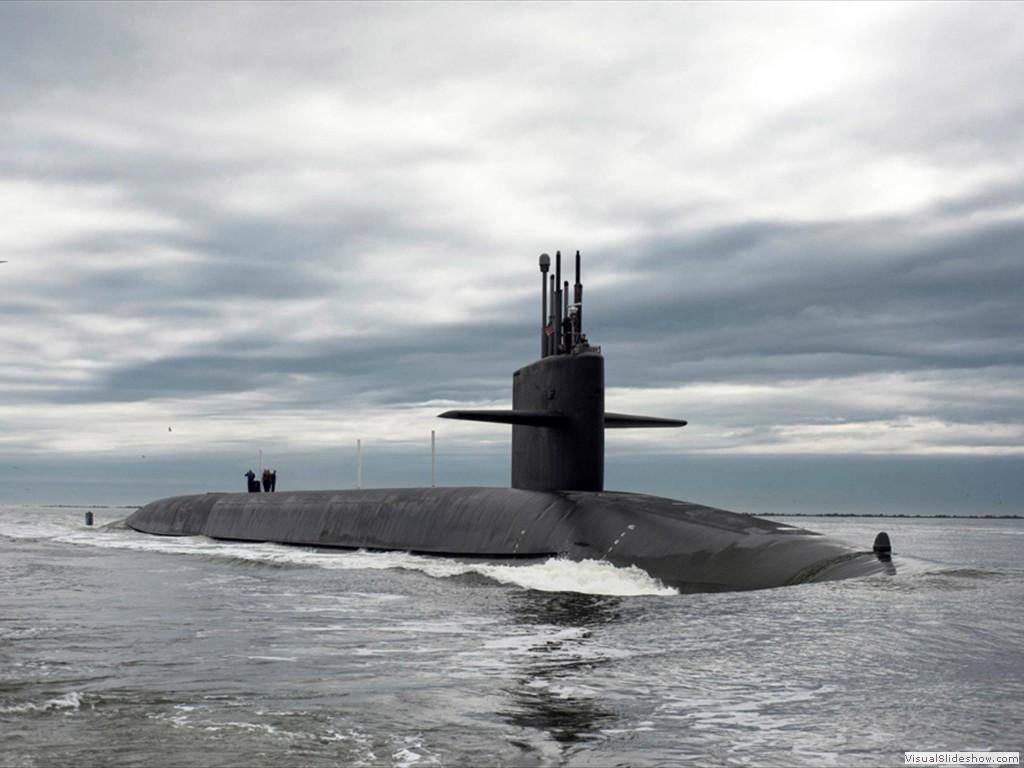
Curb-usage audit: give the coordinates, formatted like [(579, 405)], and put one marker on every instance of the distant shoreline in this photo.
[(899, 515)]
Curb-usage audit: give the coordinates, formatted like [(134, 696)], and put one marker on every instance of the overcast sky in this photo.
[(286, 227)]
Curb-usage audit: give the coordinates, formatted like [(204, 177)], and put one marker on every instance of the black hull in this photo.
[(688, 546)]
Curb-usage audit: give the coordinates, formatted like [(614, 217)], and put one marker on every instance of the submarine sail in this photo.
[(557, 504)]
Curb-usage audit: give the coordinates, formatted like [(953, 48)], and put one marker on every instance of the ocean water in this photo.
[(120, 649)]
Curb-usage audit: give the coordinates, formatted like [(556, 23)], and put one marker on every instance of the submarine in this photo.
[(557, 505)]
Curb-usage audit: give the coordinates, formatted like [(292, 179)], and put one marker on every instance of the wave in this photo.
[(554, 574), (69, 701)]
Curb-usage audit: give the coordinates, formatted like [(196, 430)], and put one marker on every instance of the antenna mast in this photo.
[(545, 265), (561, 321)]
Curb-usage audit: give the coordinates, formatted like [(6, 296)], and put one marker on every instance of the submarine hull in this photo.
[(688, 546)]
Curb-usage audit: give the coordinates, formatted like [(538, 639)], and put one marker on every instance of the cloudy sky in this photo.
[(233, 228)]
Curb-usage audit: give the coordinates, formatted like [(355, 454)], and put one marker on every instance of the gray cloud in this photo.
[(830, 290)]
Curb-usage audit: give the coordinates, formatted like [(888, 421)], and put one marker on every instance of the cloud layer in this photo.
[(233, 226)]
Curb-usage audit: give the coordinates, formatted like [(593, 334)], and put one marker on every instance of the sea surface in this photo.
[(121, 649)]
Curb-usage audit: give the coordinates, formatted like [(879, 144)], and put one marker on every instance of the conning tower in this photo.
[(558, 417)]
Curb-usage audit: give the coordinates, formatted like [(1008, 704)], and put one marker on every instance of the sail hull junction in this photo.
[(688, 546)]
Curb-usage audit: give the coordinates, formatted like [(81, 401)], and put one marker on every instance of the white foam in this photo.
[(413, 753), (69, 701), (589, 577), (242, 726), (556, 574)]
